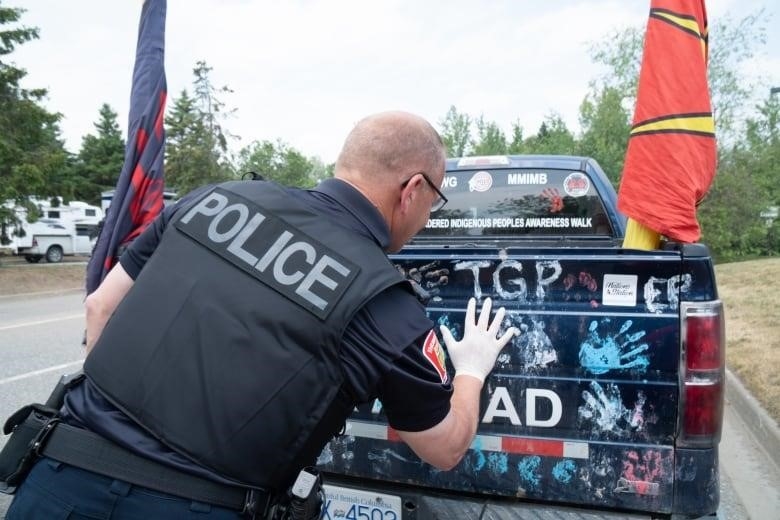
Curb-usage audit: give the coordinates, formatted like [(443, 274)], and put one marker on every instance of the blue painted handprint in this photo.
[(599, 355)]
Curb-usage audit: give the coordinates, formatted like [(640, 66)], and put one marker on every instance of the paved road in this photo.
[(40, 339)]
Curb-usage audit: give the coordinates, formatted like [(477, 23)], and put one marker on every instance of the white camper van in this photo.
[(65, 229)]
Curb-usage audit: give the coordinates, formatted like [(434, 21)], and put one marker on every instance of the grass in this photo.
[(750, 292), (16, 278)]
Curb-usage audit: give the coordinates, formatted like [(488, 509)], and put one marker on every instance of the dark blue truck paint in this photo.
[(584, 408)]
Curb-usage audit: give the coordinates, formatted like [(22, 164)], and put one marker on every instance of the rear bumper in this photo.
[(423, 504), (696, 481), (694, 497)]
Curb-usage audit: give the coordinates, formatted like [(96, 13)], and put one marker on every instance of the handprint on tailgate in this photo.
[(426, 280), (604, 412), (599, 355)]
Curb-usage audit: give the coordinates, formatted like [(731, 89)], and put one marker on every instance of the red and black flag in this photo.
[(138, 197), (671, 156)]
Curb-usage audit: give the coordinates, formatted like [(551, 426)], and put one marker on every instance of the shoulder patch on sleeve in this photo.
[(435, 354)]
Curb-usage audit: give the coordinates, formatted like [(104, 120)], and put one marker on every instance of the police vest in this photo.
[(227, 347)]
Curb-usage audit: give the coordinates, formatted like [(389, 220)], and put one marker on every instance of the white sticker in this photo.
[(480, 181), (619, 289), (576, 184)]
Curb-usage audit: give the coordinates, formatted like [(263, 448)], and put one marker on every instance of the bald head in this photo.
[(383, 147)]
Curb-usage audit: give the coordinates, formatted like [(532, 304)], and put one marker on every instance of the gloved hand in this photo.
[(476, 353)]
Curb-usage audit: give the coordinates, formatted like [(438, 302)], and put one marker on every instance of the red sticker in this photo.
[(435, 354)]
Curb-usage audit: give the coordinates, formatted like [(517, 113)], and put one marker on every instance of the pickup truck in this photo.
[(610, 402), (52, 241)]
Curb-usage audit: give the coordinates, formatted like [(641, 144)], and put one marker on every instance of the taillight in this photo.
[(702, 367), (703, 340), (703, 409)]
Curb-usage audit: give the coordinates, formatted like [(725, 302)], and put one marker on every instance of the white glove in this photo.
[(476, 353)]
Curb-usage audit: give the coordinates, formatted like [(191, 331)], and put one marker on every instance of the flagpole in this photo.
[(138, 196), (639, 236)]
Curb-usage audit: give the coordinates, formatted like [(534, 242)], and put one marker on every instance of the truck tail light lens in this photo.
[(702, 374), (703, 410), (704, 339)]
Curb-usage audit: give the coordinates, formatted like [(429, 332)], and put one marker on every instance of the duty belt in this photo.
[(89, 451)]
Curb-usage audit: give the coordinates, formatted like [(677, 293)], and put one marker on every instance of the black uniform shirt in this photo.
[(382, 347)]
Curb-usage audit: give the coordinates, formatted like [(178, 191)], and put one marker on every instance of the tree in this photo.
[(746, 187), (730, 43), (621, 53), (196, 142), (30, 148), (762, 136), (212, 109), (101, 156), (729, 215), (190, 157), (517, 145), (605, 127), (553, 137), (490, 139), (456, 132), (281, 163)]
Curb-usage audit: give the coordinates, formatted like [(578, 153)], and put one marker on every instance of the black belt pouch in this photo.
[(28, 427)]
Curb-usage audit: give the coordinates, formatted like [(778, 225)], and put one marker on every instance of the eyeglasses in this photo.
[(440, 201)]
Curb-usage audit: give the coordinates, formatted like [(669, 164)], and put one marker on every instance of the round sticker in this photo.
[(481, 181), (576, 184)]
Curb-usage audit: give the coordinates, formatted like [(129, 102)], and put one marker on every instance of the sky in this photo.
[(305, 71)]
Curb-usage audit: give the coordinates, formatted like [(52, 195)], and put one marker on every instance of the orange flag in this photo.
[(671, 156)]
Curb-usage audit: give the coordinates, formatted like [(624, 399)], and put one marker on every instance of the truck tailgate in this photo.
[(582, 406)]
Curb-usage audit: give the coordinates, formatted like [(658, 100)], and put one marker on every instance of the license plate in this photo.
[(354, 504)]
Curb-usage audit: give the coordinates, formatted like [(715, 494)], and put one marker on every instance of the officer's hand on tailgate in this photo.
[(476, 353)]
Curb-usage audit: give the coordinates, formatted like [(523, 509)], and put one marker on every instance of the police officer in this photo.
[(239, 331)]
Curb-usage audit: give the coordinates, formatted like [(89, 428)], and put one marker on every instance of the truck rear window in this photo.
[(538, 202)]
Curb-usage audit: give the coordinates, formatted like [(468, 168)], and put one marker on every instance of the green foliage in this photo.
[(605, 128), (553, 138), (731, 43), (516, 146), (729, 217), (212, 109), (191, 153), (33, 160), (745, 182), (100, 158), (762, 137), (621, 53), (30, 149), (744, 187), (490, 139), (281, 163), (456, 132), (196, 143)]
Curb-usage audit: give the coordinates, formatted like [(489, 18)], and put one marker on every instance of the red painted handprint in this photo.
[(556, 201)]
